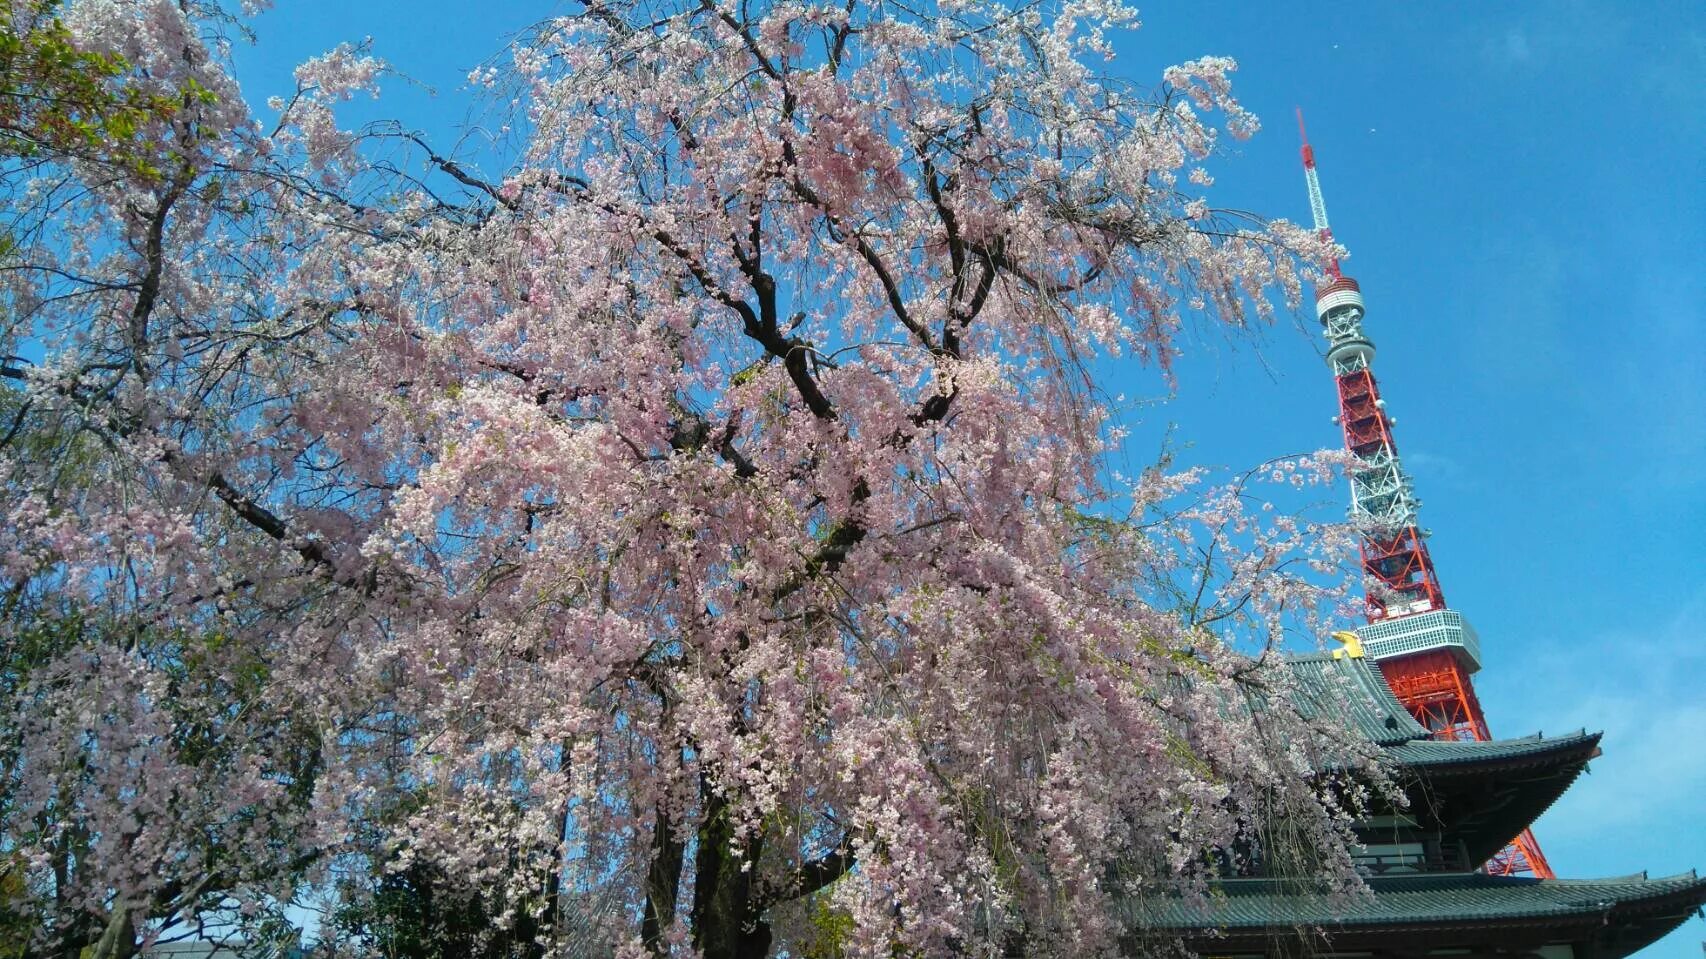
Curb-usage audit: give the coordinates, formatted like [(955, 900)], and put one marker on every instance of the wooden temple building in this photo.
[(1428, 894)]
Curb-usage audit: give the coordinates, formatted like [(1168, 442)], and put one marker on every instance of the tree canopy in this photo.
[(694, 535)]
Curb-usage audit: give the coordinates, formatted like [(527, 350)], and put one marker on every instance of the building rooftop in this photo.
[(1527, 750), (1634, 909), (1471, 796), (1351, 689), (1429, 897)]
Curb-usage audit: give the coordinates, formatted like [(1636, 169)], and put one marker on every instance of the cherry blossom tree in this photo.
[(696, 537)]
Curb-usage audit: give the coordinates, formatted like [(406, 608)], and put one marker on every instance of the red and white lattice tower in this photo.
[(1426, 651)]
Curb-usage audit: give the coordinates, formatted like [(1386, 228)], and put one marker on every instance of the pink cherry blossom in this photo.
[(696, 528)]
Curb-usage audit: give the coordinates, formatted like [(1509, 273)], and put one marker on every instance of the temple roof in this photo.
[(1427, 897), (1437, 754), (1485, 793), (1351, 689), (1641, 909), (1481, 793), (1477, 793)]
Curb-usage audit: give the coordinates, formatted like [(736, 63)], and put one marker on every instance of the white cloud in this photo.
[(1645, 687)]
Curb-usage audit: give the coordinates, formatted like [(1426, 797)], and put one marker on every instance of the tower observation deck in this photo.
[(1426, 651)]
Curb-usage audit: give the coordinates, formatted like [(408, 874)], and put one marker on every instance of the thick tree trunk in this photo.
[(663, 882), (725, 923), (118, 939)]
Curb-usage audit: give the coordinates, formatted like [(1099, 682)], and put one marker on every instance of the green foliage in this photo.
[(829, 930), (17, 919), (57, 99)]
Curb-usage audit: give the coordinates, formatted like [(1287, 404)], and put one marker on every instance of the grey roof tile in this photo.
[(1438, 897)]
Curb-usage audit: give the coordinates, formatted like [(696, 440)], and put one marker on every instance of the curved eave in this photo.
[(1467, 757), (1618, 915), (1485, 793)]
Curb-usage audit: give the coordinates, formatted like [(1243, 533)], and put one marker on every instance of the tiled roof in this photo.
[(1254, 904), (1435, 753), (1350, 688)]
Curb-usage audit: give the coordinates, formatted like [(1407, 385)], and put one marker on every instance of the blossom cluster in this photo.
[(706, 515)]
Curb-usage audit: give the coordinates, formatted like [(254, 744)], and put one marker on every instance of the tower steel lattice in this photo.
[(1426, 651)]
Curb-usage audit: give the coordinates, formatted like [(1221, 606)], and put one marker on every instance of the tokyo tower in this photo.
[(1426, 651)]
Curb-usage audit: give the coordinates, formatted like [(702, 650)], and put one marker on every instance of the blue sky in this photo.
[(1521, 189)]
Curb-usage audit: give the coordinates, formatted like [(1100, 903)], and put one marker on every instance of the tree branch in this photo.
[(810, 876)]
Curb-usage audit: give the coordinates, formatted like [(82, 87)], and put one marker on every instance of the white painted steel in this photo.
[(1317, 202), (1344, 297), (1421, 632)]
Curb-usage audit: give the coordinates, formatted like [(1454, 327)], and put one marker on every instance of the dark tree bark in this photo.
[(726, 922), (663, 882)]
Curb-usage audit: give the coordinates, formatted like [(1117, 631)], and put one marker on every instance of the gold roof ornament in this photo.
[(1352, 643)]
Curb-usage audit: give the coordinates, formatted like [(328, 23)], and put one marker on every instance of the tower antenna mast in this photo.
[(1317, 202)]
